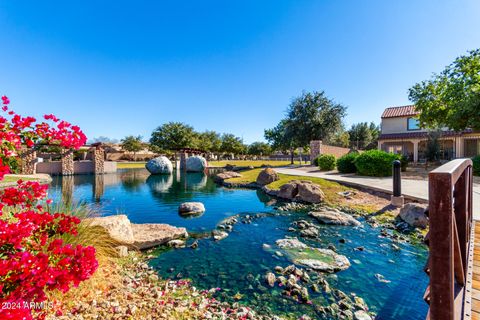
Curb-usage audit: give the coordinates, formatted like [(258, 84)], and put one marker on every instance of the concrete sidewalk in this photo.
[(415, 189)]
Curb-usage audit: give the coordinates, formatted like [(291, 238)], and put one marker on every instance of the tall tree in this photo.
[(452, 98), (209, 141), (232, 144), (282, 138), (132, 144), (173, 136), (313, 116), (259, 149), (360, 135)]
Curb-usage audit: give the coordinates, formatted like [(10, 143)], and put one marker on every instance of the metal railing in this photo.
[(450, 240)]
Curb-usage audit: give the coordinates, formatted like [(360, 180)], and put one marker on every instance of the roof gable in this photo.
[(403, 111)]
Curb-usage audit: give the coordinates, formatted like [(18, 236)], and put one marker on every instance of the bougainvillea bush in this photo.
[(33, 257)]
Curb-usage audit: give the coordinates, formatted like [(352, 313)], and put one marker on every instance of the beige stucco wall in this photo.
[(396, 125)]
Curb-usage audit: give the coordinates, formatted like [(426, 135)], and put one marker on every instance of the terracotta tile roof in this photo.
[(419, 135), (402, 111)]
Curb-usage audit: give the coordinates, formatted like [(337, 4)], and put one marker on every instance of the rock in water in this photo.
[(270, 279), (362, 315), (333, 216), (288, 191), (191, 208), (219, 235), (148, 235), (196, 164), (414, 215), (324, 260), (267, 176), (159, 165), (118, 227)]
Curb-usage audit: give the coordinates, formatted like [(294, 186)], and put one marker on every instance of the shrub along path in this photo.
[(414, 189)]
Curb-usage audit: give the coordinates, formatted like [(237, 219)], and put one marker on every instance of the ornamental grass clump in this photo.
[(35, 258)]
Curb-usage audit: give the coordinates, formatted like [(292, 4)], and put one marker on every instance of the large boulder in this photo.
[(414, 215), (309, 192), (267, 176), (159, 165), (288, 191), (303, 191), (333, 216), (118, 226), (191, 208), (196, 164), (148, 235)]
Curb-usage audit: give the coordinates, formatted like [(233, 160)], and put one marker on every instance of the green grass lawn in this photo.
[(130, 165), (253, 163)]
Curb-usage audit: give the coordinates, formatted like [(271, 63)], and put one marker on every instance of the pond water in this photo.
[(238, 263)]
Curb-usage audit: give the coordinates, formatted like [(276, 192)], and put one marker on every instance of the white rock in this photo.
[(159, 165)]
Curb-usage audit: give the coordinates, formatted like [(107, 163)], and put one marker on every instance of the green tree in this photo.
[(282, 138), (232, 144), (173, 136), (360, 135), (340, 139), (132, 144), (313, 116), (209, 141), (259, 149), (452, 98)]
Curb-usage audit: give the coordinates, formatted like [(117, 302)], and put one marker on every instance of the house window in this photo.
[(413, 124), (395, 149)]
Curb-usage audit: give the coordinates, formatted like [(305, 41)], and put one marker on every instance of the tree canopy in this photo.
[(132, 143), (452, 98), (364, 135), (173, 136), (259, 149), (311, 116), (232, 144)]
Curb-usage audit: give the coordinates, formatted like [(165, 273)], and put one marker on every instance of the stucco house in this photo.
[(400, 133)]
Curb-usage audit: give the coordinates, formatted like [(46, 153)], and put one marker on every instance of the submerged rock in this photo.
[(414, 215), (159, 165), (191, 208), (176, 243), (324, 260), (219, 235), (334, 216), (361, 315), (270, 279)]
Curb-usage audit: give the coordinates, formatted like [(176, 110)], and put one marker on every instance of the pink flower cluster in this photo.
[(33, 257)]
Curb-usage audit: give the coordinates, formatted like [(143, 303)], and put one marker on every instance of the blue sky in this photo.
[(124, 67)]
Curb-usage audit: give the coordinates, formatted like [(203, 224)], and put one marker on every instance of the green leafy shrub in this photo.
[(375, 163), (404, 163), (326, 162), (346, 163), (476, 165)]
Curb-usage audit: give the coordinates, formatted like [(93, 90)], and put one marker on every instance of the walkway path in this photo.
[(415, 189)]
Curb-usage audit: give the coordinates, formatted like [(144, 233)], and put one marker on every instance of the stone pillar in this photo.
[(415, 151), (99, 160), (67, 163), (315, 149), (29, 161)]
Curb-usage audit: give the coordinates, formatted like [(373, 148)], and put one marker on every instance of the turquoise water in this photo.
[(237, 264)]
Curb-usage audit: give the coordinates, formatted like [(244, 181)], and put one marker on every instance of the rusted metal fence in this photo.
[(450, 241)]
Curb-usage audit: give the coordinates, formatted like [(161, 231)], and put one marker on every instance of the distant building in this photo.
[(401, 134)]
